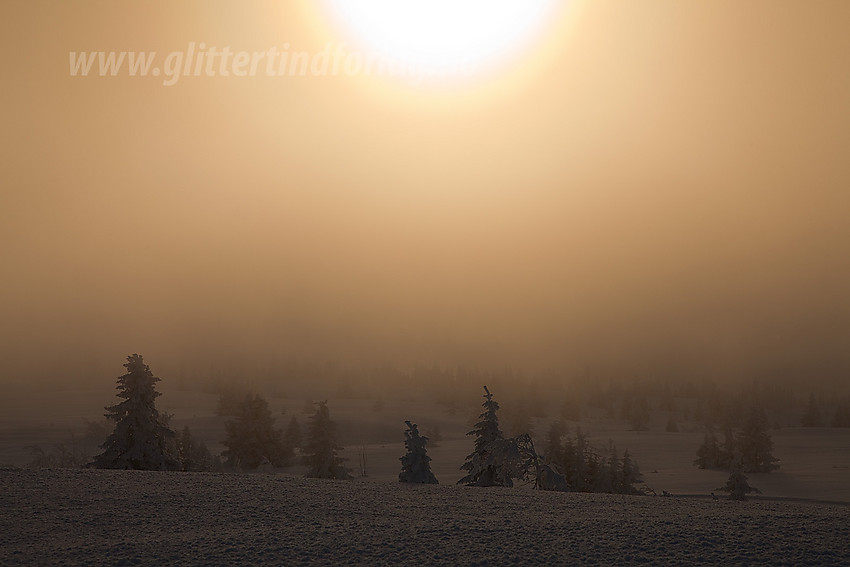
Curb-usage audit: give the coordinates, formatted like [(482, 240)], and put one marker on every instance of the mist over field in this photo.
[(635, 204)]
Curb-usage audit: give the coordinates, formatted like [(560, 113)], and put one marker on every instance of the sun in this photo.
[(443, 37)]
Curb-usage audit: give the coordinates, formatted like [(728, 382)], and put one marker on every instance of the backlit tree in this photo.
[(141, 439), (320, 449), (416, 464)]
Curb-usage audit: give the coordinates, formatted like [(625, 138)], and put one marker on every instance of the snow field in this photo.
[(99, 517)]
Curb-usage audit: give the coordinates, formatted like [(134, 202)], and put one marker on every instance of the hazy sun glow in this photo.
[(443, 36)]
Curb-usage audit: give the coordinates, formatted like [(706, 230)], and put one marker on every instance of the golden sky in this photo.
[(642, 187)]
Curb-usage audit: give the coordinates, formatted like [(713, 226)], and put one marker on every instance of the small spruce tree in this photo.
[(812, 416), (737, 485), (292, 435), (754, 445), (481, 468), (554, 448), (582, 479), (141, 439), (729, 447), (609, 478), (252, 439), (416, 464), (709, 454), (638, 415), (631, 475), (320, 449), (193, 454), (842, 415)]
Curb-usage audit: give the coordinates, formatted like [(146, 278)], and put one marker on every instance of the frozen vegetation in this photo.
[(108, 517)]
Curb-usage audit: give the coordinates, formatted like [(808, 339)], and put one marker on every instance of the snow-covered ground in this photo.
[(90, 517)]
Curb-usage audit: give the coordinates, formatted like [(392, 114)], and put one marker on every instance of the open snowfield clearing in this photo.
[(90, 517)]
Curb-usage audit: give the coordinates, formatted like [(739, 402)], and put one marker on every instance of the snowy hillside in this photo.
[(89, 517)]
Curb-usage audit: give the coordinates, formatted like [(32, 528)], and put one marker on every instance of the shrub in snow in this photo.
[(141, 439), (252, 439), (415, 465), (320, 449)]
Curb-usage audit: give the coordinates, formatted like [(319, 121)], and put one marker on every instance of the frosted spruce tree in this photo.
[(416, 464), (141, 439), (812, 417), (320, 449), (737, 485), (252, 439), (485, 466)]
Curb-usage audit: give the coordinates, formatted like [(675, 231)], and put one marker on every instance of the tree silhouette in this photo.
[(630, 476), (481, 468), (812, 416), (141, 439), (416, 464), (252, 439), (292, 435), (842, 415), (193, 454), (320, 450), (709, 454), (737, 485), (754, 445), (585, 470)]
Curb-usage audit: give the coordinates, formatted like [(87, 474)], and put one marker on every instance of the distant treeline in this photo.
[(641, 403)]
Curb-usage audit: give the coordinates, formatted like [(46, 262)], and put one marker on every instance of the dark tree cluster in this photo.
[(193, 455), (751, 445), (585, 469), (570, 463)]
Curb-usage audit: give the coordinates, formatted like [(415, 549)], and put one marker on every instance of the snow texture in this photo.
[(116, 517)]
